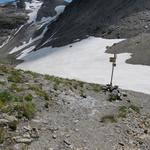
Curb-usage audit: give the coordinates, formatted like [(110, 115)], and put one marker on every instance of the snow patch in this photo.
[(87, 61), (45, 21), (33, 7)]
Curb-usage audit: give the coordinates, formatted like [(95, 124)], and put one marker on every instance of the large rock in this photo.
[(11, 121)]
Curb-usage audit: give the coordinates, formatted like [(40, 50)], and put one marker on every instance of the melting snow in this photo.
[(33, 7), (45, 21), (87, 61)]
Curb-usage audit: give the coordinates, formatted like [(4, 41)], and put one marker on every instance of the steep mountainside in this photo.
[(110, 19), (48, 8)]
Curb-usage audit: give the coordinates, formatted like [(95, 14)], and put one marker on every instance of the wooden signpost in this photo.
[(113, 61)]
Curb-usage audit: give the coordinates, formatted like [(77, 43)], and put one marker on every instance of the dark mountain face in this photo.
[(48, 8), (104, 18)]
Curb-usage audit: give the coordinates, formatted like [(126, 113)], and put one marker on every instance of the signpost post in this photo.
[(113, 61)]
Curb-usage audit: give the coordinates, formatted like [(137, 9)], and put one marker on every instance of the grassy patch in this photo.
[(26, 109), (38, 90), (34, 75), (2, 83), (122, 112), (113, 98), (5, 96), (95, 87), (4, 69), (134, 108), (16, 77), (14, 87), (109, 119), (29, 110), (28, 97), (2, 135)]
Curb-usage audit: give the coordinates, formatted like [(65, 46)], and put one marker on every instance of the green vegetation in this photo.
[(113, 98), (15, 88), (2, 83), (16, 76), (96, 87), (2, 134), (135, 108), (34, 75), (122, 112), (29, 110), (26, 109), (109, 119), (28, 97), (4, 69), (24, 147), (5, 96), (38, 90)]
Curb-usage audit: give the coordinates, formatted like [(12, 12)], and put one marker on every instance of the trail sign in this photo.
[(113, 61)]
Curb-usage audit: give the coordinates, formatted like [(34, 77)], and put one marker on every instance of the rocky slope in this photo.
[(48, 8), (44, 113), (122, 19), (10, 18), (109, 19)]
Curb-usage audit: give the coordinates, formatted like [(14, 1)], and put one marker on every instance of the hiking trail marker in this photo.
[(113, 61)]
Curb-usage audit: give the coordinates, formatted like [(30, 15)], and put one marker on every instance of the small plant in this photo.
[(5, 96), (14, 87), (123, 111), (15, 76), (1, 104), (24, 147), (38, 90), (4, 69), (95, 87), (29, 110), (32, 73), (28, 97), (112, 98), (135, 108), (2, 135), (109, 119), (2, 83)]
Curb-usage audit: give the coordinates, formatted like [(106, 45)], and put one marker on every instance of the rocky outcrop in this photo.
[(48, 8), (10, 18)]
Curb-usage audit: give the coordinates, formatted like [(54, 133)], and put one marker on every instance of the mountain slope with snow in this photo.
[(109, 19), (86, 59)]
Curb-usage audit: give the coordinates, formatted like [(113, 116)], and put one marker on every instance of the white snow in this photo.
[(45, 21), (33, 7), (86, 60), (5, 42), (25, 52)]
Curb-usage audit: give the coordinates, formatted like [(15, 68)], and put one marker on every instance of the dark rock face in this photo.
[(21, 4), (48, 8), (10, 18), (109, 19)]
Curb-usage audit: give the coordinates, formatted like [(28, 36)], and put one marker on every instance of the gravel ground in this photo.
[(77, 116)]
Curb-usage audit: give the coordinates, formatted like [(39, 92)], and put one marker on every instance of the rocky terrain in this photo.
[(11, 18), (44, 112), (121, 19), (49, 113), (48, 8)]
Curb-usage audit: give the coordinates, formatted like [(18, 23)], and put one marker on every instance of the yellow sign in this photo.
[(112, 59)]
